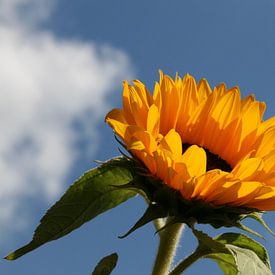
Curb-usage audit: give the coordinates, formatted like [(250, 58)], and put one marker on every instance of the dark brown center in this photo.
[(213, 161)]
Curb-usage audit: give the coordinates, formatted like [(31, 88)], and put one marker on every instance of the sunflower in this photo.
[(210, 145)]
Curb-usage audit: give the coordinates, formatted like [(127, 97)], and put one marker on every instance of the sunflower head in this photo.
[(209, 148)]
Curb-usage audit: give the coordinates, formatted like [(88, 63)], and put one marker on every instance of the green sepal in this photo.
[(258, 217), (153, 212), (92, 194), (106, 265), (247, 229)]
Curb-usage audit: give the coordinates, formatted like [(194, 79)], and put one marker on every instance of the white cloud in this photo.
[(46, 83)]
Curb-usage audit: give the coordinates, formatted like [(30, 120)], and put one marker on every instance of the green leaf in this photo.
[(225, 261), (243, 241), (92, 194), (248, 262), (106, 265), (235, 253)]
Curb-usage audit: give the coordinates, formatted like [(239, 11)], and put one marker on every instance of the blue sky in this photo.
[(62, 63)]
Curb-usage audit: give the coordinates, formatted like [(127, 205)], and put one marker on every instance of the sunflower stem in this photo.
[(184, 264), (159, 223), (169, 239)]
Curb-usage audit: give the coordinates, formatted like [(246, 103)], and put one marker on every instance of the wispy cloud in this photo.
[(46, 84)]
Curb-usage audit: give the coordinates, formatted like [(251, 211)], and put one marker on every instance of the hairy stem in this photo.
[(183, 265), (169, 239)]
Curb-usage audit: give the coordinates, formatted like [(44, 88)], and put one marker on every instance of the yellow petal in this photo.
[(204, 90), (195, 160), (172, 142), (142, 140), (227, 108), (127, 109), (189, 103), (157, 96), (143, 93), (187, 189), (248, 169), (116, 114), (223, 113), (218, 188), (148, 160), (180, 177), (119, 128), (246, 102), (238, 193), (170, 104), (207, 184), (251, 118), (269, 123), (266, 143), (264, 202), (138, 108), (269, 162), (163, 163), (220, 89), (153, 121)]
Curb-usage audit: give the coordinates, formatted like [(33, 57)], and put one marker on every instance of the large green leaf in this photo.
[(246, 255), (225, 261), (92, 194), (243, 241), (106, 265), (235, 253), (248, 262)]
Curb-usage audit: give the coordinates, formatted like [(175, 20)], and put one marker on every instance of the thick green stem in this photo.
[(159, 223), (186, 263), (169, 239)]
